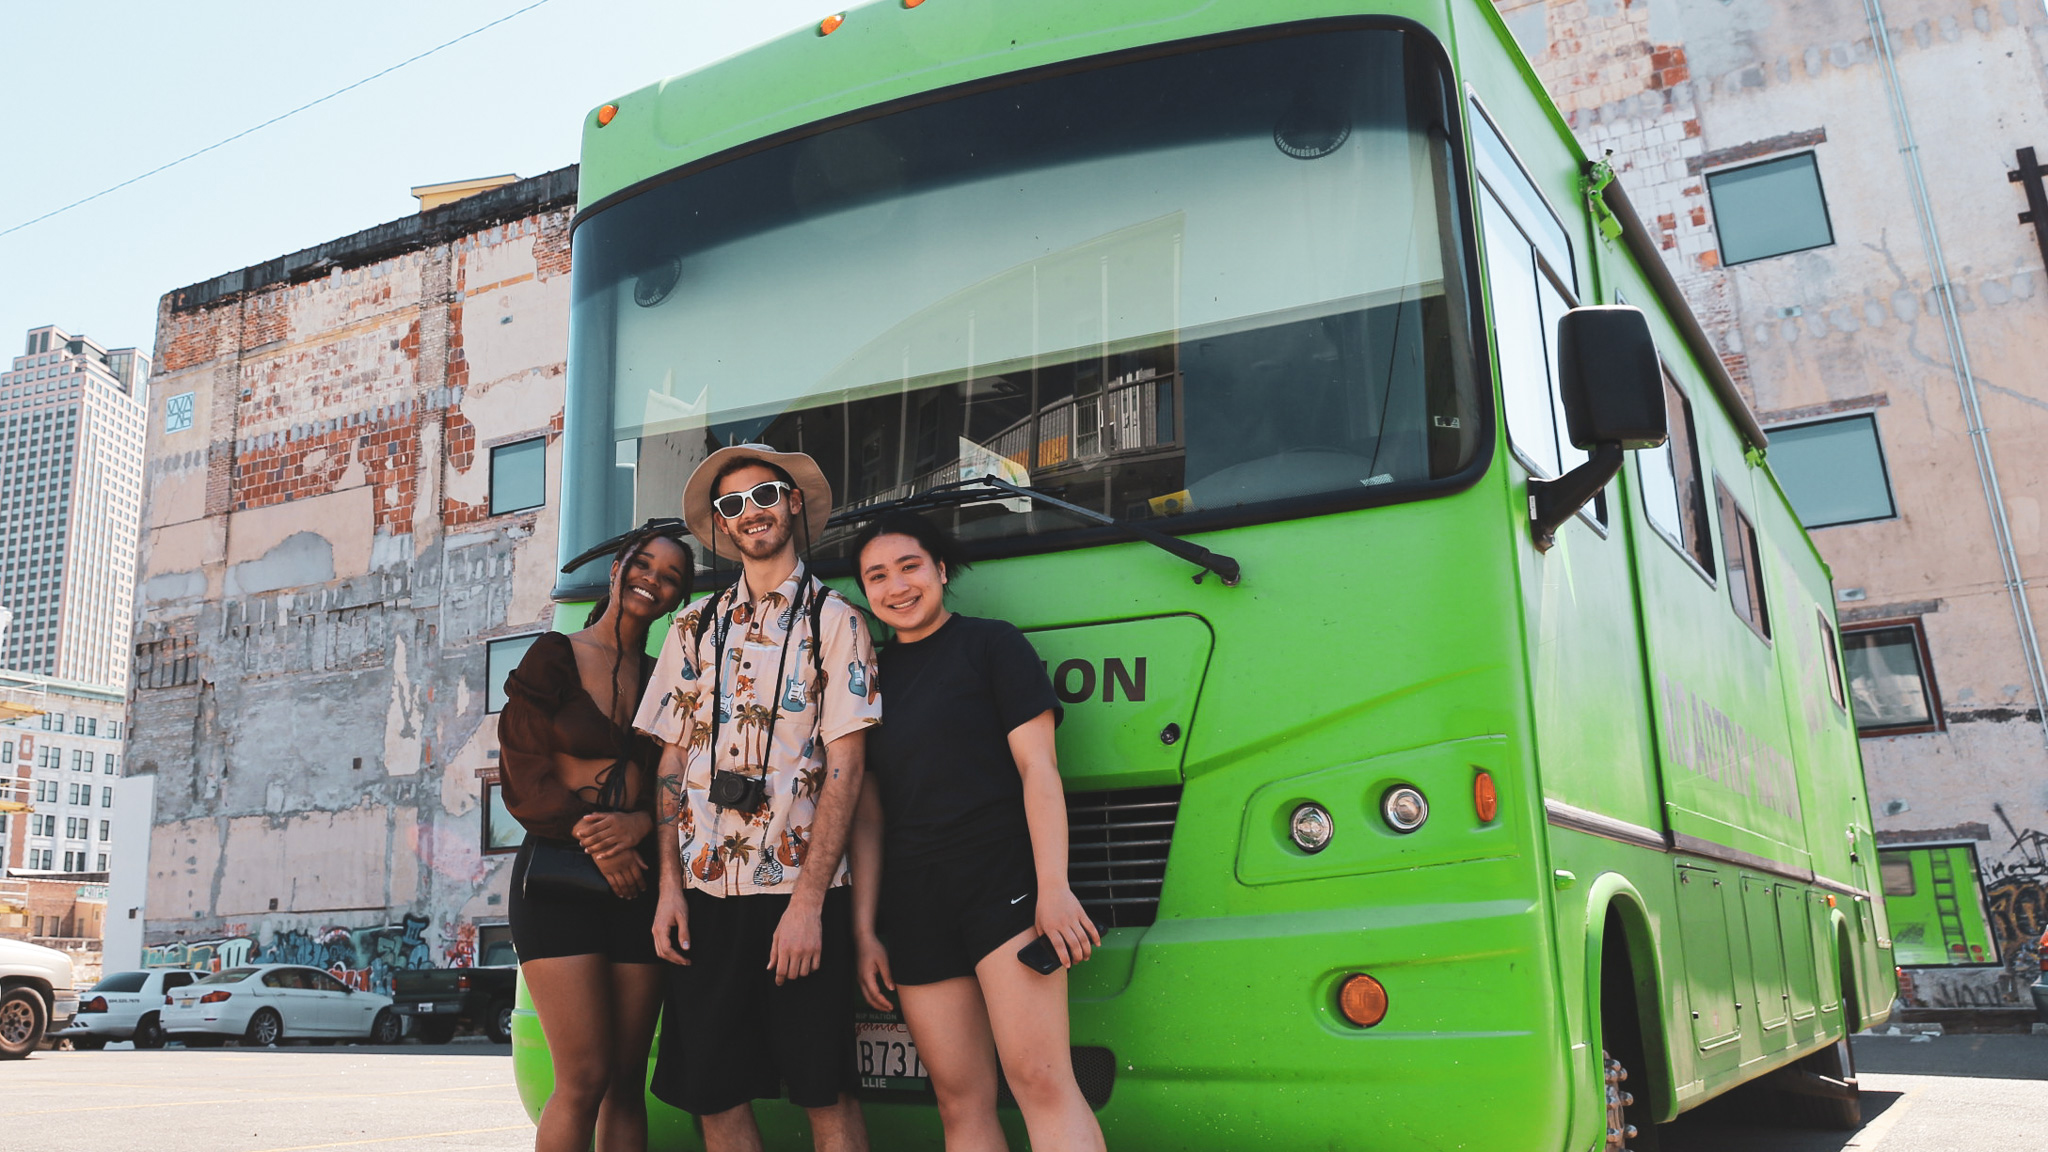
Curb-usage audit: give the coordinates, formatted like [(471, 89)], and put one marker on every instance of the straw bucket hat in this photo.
[(803, 472)]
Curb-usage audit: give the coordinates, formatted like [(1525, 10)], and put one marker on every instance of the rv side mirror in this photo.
[(1613, 393), (1611, 383)]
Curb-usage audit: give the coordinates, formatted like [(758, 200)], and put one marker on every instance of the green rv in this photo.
[(1451, 761)]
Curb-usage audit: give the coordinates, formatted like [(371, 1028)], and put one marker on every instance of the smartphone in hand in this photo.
[(1039, 956)]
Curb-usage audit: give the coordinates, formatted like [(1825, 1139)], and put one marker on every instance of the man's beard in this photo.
[(765, 545)]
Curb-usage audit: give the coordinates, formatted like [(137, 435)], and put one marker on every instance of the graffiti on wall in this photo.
[(362, 958), (2016, 897)]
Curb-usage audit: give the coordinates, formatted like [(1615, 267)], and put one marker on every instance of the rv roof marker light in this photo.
[(1362, 1000), (1485, 800), (606, 114), (830, 24)]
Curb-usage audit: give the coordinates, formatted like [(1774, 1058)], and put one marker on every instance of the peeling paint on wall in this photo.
[(320, 578)]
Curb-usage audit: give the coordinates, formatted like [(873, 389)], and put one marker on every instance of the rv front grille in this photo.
[(1117, 844)]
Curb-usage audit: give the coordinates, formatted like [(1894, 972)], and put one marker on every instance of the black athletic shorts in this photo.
[(730, 1034), (940, 917), (622, 931)]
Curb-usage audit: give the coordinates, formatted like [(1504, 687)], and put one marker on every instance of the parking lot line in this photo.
[(397, 1139)]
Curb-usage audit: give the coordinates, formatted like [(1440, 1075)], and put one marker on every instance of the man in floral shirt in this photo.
[(762, 698)]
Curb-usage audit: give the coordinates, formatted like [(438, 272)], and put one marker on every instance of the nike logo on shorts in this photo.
[(1020, 899)]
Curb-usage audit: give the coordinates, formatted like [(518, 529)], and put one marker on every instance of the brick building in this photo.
[(349, 531), (1885, 335)]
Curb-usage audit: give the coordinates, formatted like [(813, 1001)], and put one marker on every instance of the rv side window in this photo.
[(1529, 271), (1831, 661), (1745, 575), (1674, 490)]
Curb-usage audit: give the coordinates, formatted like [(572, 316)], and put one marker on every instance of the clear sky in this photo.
[(94, 92)]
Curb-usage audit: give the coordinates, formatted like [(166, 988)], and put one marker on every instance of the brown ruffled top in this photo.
[(548, 711)]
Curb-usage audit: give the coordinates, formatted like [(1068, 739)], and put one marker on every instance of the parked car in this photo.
[(269, 1003), (36, 996), (125, 1006), (440, 999)]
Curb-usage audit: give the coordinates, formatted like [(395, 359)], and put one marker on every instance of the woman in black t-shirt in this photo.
[(959, 852)]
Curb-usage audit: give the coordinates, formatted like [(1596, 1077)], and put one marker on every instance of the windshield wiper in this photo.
[(984, 488)]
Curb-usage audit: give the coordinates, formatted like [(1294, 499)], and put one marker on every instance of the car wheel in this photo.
[(386, 1028), (149, 1032), (23, 1017), (501, 1022), (265, 1030), (435, 1031), (87, 1043)]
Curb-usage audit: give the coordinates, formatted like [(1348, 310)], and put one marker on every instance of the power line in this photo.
[(274, 119)]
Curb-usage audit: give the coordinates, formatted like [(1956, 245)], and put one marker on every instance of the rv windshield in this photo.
[(1191, 289)]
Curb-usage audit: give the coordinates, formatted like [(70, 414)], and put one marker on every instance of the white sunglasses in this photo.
[(764, 495)]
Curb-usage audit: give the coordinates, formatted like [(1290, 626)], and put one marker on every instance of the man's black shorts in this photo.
[(939, 918), (730, 1034)]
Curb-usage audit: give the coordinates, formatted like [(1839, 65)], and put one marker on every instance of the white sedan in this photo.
[(125, 1006), (273, 1002)]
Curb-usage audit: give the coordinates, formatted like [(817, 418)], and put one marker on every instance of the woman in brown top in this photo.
[(582, 783)]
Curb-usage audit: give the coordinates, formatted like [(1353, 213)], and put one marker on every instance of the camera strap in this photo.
[(803, 589)]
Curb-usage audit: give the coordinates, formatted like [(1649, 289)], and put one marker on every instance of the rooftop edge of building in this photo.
[(432, 226)]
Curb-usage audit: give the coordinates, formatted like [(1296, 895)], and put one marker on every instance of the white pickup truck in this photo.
[(36, 996)]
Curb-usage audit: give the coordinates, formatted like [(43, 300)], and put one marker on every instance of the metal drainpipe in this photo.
[(1959, 356)]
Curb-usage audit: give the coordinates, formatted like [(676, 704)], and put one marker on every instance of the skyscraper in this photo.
[(71, 426)]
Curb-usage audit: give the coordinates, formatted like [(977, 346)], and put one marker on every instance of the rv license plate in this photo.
[(886, 1055)]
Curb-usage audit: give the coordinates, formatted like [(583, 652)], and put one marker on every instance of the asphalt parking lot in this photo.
[(1948, 1094), (405, 1097)]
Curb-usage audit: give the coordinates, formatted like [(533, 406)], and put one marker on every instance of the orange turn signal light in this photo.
[(606, 114), (912, 3), (1831, 901), (1362, 1000), (830, 24), (1485, 800)]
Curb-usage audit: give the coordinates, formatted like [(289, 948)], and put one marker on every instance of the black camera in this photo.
[(737, 793)]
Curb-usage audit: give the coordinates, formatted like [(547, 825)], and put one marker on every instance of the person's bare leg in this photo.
[(573, 997), (949, 1021), (732, 1130), (839, 1127), (636, 999), (1028, 1014)]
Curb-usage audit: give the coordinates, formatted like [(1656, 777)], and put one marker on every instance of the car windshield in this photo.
[(1196, 286), (227, 976), (122, 982)]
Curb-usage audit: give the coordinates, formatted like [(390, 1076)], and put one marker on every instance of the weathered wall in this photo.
[(319, 576), (1677, 88)]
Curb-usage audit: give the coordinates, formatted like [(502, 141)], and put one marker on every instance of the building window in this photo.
[(501, 657), (1833, 471), (1891, 680), (106, 829), (1745, 571), (106, 796), (1769, 209), (1674, 490), (519, 476), (502, 833), (102, 865), (1934, 898)]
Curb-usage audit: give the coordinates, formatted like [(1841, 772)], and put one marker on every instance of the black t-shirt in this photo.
[(942, 752)]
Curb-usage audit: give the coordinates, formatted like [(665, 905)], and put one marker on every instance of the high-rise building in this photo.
[(60, 770), (71, 425)]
